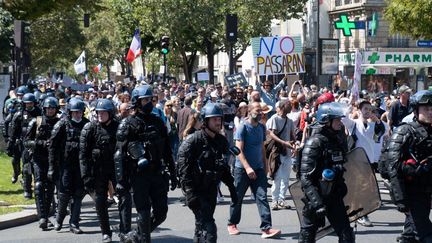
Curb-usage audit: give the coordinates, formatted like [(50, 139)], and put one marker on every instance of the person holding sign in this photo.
[(269, 93)]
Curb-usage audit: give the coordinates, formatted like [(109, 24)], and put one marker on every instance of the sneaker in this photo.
[(269, 233), (75, 229), (275, 205), (365, 221), (232, 229), (116, 199), (283, 204), (106, 238), (14, 179)]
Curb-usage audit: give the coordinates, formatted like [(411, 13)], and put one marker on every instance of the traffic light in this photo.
[(86, 20), (164, 44)]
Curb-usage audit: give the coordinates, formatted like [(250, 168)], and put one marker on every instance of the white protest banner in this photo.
[(278, 55)]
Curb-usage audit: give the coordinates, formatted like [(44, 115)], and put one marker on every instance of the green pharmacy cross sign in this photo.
[(346, 26)]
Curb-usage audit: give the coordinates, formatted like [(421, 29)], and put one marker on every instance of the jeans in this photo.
[(259, 188), (281, 179)]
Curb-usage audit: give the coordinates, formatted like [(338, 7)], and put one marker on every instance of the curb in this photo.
[(18, 218)]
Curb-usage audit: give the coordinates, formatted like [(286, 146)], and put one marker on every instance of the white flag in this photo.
[(79, 64), (357, 75)]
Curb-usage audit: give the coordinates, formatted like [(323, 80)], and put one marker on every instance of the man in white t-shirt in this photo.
[(279, 123)]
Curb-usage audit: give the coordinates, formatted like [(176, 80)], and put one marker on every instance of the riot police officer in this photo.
[(12, 150), (321, 176), (142, 156), (97, 148), (20, 123), (410, 167), (201, 166), (37, 140), (64, 164)]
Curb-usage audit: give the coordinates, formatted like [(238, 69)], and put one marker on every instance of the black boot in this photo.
[(43, 224), (306, 236), (347, 236), (63, 201), (144, 226)]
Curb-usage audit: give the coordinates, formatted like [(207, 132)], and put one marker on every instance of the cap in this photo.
[(266, 108), (404, 89), (214, 94)]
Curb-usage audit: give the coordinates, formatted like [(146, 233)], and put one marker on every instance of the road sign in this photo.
[(424, 43)]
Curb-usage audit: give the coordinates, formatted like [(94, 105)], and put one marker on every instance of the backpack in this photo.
[(273, 152), (383, 161)]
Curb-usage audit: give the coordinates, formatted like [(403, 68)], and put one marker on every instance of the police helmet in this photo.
[(105, 105), (28, 98), (211, 110), (22, 90), (142, 91), (76, 104), (51, 102), (423, 97), (37, 94), (329, 111)]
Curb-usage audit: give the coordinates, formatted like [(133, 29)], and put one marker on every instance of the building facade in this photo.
[(389, 60)]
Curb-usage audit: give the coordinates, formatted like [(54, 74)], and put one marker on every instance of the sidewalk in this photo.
[(26, 216)]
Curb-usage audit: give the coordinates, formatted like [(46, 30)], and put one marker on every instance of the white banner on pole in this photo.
[(357, 75)]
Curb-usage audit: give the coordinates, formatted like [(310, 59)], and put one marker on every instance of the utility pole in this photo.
[(318, 63)]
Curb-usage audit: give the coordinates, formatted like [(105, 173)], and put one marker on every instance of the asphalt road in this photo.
[(180, 224)]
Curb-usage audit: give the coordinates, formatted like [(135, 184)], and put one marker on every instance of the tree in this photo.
[(35, 9), (410, 17), (6, 35), (55, 42), (199, 26), (255, 20)]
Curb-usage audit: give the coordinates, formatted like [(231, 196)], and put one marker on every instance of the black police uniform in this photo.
[(143, 139), (411, 182), (324, 150), (12, 149), (37, 141), (19, 124), (64, 164), (97, 148), (201, 166)]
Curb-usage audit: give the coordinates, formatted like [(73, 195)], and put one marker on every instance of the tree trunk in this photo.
[(210, 60), (185, 65), (108, 71)]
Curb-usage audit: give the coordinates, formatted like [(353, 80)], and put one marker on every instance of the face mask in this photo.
[(12, 110), (147, 108), (77, 121), (256, 117)]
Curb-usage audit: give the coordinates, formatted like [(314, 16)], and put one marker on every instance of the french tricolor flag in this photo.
[(135, 47), (98, 68)]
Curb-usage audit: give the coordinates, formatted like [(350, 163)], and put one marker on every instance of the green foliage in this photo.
[(35, 9), (6, 35), (10, 193), (56, 41), (410, 17), (200, 25)]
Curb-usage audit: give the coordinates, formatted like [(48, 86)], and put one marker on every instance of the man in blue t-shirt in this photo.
[(250, 171)]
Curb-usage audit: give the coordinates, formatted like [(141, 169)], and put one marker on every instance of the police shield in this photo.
[(363, 195)]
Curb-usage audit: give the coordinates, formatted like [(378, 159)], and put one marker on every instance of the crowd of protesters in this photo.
[(284, 112)]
